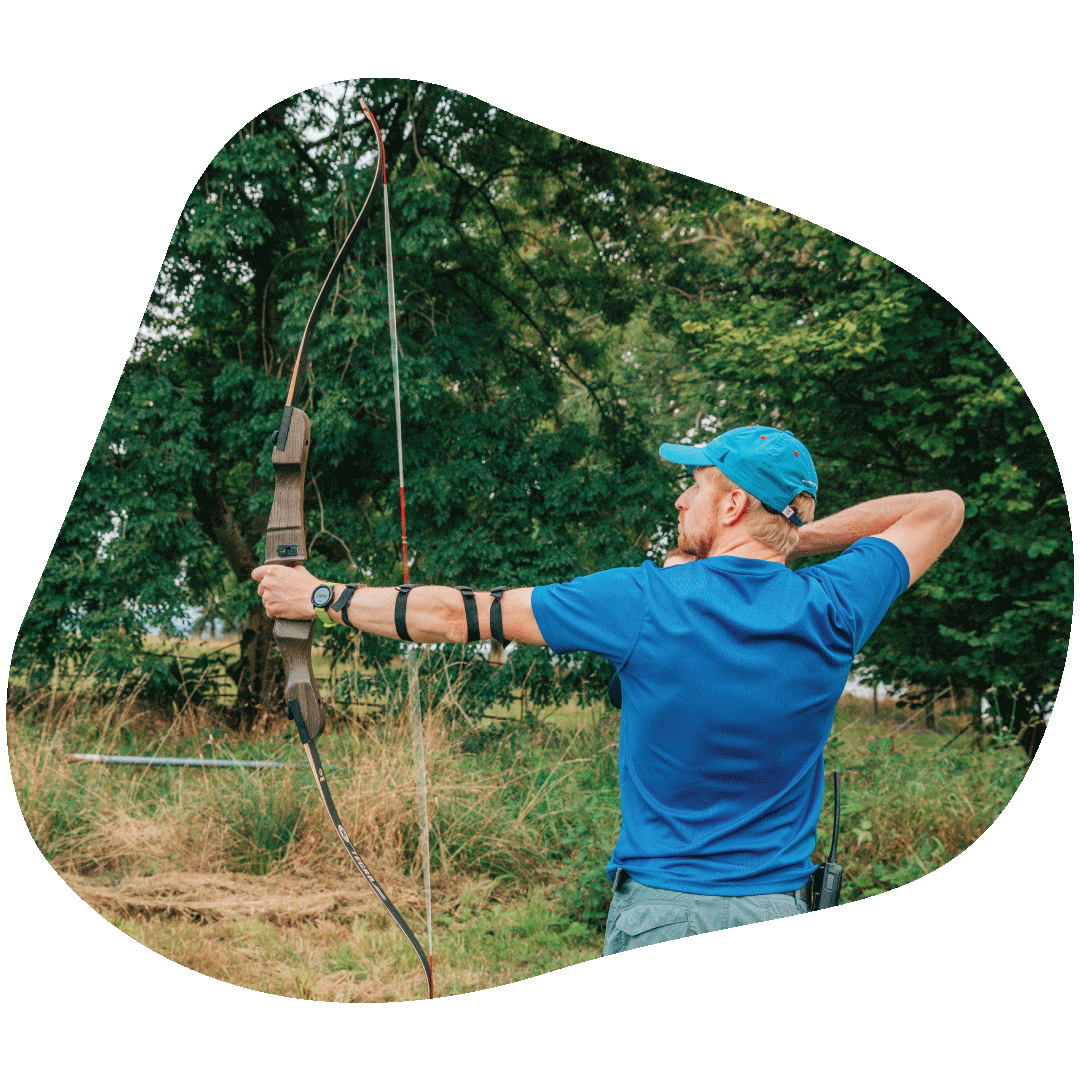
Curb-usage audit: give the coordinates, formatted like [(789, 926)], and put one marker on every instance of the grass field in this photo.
[(238, 874)]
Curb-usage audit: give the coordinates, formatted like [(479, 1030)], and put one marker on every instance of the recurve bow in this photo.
[(286, 545)]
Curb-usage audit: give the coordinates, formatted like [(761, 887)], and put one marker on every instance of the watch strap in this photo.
[(320, 609)]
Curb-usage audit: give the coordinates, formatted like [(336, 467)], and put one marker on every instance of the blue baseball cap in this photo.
[(770, 464)]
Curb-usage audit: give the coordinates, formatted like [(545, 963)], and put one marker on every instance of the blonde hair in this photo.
[(772, 530)]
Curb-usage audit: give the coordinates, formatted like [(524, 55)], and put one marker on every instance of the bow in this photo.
[(286, 545)]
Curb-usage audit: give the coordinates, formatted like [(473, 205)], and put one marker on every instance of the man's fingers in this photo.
[(264, 575), (285, 591)]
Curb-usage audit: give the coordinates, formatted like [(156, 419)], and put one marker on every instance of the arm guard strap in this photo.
[(399, 611), (496, 614), (472, 619), (342, 602)]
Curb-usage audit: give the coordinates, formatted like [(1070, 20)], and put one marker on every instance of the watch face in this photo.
[(322, 596)]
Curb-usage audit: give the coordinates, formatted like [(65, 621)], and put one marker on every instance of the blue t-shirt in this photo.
[(731, 669)]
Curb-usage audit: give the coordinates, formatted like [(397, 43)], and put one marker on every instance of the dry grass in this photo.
[(238, 874), (335, 956)]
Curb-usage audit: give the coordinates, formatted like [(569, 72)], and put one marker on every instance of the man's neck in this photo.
[(744, 547)]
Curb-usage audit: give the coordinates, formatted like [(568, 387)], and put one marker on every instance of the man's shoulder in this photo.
[(860, 584), (601, 612), (871, 557), (612, 574), (596, 590)]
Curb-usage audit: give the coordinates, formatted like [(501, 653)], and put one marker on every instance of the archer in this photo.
[(730, 665)]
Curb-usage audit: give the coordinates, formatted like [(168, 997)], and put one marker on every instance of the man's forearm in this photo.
[(841, 530), (433, 613)]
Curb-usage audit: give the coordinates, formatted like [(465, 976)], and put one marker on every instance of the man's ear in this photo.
[(733, 505)]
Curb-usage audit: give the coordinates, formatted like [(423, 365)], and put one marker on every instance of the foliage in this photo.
[(907, 807), (562, 310), (893, 390), (517, 269)]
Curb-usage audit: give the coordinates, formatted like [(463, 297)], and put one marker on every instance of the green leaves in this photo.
[(893, 390), (561, 312)]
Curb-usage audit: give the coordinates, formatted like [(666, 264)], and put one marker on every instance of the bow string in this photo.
[(286, 544)]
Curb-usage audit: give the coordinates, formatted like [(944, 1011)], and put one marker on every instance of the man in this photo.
[(730, 666), (673, 557)]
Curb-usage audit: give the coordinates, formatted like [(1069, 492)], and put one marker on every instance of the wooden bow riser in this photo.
[(286, 545)]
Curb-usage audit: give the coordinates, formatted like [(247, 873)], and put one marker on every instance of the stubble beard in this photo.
[(688, 546), (698, 546)]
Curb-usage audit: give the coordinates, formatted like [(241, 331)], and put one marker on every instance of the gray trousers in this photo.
[(640, 915)]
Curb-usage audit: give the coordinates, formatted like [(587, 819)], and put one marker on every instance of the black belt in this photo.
[(804, 894)]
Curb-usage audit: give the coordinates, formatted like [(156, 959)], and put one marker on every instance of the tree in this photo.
[(562, 310), (515, 277), (893, 390)]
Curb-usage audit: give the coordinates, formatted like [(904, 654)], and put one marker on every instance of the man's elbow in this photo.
[(953, 510)]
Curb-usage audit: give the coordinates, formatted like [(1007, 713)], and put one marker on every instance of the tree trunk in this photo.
[(258, 674)]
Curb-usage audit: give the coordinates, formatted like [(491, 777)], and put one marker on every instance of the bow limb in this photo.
[(285, 532), (286, 544)]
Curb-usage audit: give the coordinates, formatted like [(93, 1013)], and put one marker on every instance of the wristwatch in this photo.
[(321, 599)]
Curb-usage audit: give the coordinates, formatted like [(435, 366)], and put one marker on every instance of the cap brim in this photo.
[(693, 457)]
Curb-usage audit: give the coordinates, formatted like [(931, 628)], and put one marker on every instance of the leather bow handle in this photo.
[(286, 545)]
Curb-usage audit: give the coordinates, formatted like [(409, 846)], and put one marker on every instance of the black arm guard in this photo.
[(472, 619), (496, 614), (342, 603), (399, 611)]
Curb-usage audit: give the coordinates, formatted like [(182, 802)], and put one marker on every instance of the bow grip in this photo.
[(285, 540), (293, 639), (286, 545)]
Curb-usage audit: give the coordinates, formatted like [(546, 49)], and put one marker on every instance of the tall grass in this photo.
[(238, 873), (911, 798), (498, 810)]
